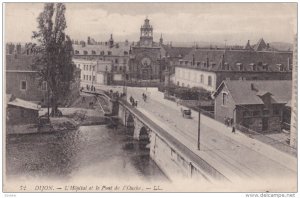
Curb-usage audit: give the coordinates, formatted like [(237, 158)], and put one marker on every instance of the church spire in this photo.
[(161, 41)]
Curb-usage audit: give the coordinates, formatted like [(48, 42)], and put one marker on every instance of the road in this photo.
[(234, 154)]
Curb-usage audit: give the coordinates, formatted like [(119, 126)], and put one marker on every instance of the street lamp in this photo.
[(199, 121)]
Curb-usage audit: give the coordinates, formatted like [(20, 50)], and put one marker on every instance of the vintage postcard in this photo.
[(150, 97)]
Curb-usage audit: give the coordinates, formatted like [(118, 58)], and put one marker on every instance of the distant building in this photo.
[(145, 58), (23, 81), (207, 68), (96, 72), (257, 105), (116, 53)]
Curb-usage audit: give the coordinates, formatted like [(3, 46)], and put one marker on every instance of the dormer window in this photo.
[(240, 66), (266, 66), (76, 52), (102, 53), (280, 66), (254, 67), (85, 52), (93, 52)]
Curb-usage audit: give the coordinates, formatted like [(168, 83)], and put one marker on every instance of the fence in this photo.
[(283, 146)]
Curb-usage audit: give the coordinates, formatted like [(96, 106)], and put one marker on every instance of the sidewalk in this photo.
[(235, 152)]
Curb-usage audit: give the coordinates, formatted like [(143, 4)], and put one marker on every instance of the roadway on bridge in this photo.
[(229, 153)]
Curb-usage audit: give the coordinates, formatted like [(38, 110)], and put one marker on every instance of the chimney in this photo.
[(18, 48), (253, 87)]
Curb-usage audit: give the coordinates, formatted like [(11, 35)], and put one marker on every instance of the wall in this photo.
[(17, 115), (222, 111), (34, 90), (191, 77)]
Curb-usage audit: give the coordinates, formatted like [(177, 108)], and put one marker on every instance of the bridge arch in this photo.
[(144, 138)]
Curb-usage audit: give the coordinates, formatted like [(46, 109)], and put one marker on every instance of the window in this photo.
[(240, 66), (109, 53), (280, 67), (76, 52), (94, 78), (83, 77), (256, 113), (93, 52), (209, 81), (177, 83), (44, 86), (116, 61), (90, 67), (116, 68), (254, 68), (201, 78), (246, 114), (224, 99), (276, 110), (23, 85), (85, 52), (125, 53), (102, 53), (90, 77), (94, 68), (266, 112), (265, 67)]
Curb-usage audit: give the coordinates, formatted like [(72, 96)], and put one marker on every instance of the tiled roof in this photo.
[(102, 48), (234, 58), (177, 52), (243, 94)]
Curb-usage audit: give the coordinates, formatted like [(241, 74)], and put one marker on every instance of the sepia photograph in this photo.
[(150, 97)]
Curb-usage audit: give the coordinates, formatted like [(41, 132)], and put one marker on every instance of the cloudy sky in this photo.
[(191, 22)]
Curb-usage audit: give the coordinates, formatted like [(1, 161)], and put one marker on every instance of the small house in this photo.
[(256, 105)]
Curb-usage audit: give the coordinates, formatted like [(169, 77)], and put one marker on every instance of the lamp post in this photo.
[(199, 121)]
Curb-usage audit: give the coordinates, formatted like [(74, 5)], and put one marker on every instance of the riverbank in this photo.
[(85, 111)]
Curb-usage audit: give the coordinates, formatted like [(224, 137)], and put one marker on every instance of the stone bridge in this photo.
[(172, 156)]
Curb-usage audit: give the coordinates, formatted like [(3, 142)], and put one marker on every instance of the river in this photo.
[(89, 152)]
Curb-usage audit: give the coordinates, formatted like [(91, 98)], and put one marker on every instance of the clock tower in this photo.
[(146, 38)]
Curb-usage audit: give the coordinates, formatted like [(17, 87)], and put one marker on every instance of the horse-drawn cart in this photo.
[(186, 113)]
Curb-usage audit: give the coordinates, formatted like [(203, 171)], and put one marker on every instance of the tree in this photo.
[(54, 53)]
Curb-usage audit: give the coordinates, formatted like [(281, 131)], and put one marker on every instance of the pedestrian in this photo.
[(231, 121), (233, 129), (225, 121), (136, 103)]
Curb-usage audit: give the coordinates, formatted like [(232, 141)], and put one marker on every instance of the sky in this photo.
[(234, 23)]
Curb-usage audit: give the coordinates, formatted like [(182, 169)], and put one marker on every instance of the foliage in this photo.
[(54, 52), (185, 93)]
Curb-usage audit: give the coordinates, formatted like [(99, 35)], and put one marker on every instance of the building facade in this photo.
[(257, 105), (145, 59), (24, 82), (110, 51), (95, 72), (207, 68)]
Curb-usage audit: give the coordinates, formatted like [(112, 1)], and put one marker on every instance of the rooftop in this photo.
[(251, 92)]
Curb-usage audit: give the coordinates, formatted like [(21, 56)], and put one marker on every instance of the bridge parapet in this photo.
[(172, 156)]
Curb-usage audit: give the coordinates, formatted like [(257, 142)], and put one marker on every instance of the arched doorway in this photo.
[(144, 138)]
